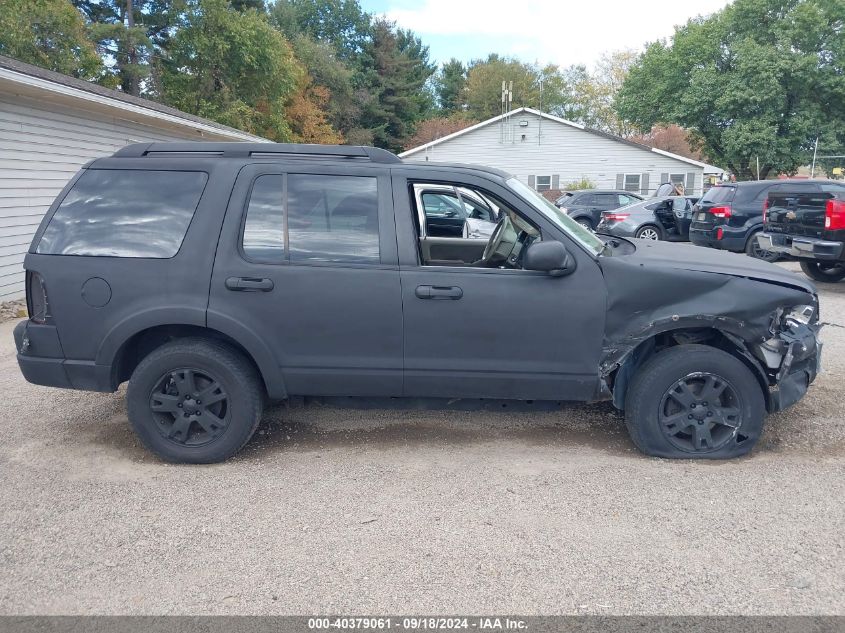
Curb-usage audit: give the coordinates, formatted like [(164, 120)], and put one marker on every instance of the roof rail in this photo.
[(247, 150)]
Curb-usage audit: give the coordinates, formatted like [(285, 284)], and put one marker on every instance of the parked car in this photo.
[(730, 216), (665, 219), (587, 205), (806, 220), (215, 277)]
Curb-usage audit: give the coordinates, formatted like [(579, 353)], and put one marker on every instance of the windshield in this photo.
[(583, 236)]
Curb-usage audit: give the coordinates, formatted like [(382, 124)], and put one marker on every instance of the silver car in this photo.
[(667, 218)]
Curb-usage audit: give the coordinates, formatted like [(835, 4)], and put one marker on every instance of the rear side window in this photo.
[(717, 195), (329, 219), (124, 213)]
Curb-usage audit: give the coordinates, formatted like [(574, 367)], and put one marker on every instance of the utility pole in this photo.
[(815, 152)]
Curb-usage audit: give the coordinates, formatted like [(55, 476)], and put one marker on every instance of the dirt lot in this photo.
[(331, 510)]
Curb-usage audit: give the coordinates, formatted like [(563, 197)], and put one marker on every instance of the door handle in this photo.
[(439, 292), (249, 284)]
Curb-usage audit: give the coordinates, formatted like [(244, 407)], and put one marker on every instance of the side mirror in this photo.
[(551, 257)]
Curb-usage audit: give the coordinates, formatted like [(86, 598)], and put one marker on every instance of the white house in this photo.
[(547, 152), (52, 124)]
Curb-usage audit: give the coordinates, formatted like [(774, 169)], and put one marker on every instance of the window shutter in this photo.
[(644, 184), (664, 178), (556, 181), (620, 181), (690, 183), (531, 182)]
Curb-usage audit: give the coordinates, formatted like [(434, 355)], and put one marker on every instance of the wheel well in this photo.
[(682, 336), (134, 350)]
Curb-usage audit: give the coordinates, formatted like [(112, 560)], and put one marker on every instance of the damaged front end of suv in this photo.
[(765, 316)]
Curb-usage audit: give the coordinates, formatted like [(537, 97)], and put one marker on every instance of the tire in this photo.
[(585, 222), (661, 426), (649, 232), (824, 271), (752, 249), (171, 377)]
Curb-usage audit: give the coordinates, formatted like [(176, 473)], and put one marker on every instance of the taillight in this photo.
[(766, 205), (36, 298), (616, 217), (721, 212), (834, 215)]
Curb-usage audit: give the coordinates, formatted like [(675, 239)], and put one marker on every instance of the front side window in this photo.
[(124, 213), (329, 219)]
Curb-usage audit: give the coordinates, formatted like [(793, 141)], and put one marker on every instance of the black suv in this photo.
[(730, 216), (587, 205), (217, 277)]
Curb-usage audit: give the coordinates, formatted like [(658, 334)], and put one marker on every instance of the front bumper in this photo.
[(41, 361), (801, 364), (801, 247)]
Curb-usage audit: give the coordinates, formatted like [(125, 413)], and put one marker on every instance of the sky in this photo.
[(545, 31)]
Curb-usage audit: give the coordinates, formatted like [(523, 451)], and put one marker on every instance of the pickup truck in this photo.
[(808, 223)]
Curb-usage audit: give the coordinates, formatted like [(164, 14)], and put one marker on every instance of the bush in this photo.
[(584, 183)]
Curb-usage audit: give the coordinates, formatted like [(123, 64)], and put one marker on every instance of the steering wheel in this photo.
[(499, 243)]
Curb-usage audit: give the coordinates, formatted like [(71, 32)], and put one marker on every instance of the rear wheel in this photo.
[(648, 232), (694, 401), (824, 271), (585, 222), (194, 401), (752, 249)]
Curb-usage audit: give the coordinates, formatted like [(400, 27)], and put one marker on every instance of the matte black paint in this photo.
[(365, 329)]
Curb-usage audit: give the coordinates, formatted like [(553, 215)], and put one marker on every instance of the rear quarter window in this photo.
[(717, 195), (124, 213)]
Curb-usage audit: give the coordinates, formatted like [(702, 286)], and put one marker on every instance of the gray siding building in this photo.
[(547, 152), (51, 125)]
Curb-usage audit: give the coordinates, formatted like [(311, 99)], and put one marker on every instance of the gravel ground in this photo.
[(340, 510)]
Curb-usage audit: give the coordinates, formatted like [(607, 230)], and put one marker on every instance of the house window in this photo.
[(544, 183), (632, 182), (677, 179)]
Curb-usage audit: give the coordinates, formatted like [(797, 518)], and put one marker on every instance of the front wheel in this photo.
[(694, 401), (194, 401), (752, 249), (824, 271), (648, 232)]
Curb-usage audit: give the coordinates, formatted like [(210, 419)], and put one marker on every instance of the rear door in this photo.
[(307, 264)]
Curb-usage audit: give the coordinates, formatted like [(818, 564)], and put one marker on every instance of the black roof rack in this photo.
[(263, 150)]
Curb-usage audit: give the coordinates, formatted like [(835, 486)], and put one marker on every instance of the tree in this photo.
[(341, 23), (395, 70), (545, 88), (124, 31), (437, 127), (233, 67), (596, 92), (246, 5), (670, 138), (450, 86), (50, 34), (760, 79)]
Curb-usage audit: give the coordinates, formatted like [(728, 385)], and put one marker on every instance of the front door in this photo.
[(478, 332), (307, 263)]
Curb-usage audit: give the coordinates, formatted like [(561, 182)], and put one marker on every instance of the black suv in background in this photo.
[(587, 205), (216, 277), (730, 216), (807, 222)]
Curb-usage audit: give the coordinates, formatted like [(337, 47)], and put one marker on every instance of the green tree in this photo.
[(545, 88), (233, 67), (759, 79), (50, 34), (341, 23), (128, 33), (395, 71), (246, 5), (450, 86)]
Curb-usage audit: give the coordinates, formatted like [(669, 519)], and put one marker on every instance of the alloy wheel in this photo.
[(648, 233), (700, 413), (190, 406)]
